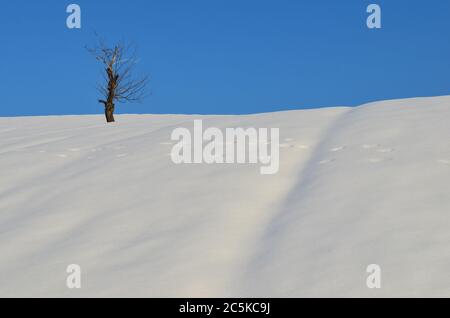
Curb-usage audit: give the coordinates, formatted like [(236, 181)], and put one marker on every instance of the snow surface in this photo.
[(357, 186)]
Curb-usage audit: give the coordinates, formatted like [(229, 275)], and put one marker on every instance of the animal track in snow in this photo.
[(326, 161), (377, 160), (385, 150), (370, 146), (337, 149), (292, 146)]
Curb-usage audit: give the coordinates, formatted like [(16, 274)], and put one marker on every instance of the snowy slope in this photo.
[(357, 186)]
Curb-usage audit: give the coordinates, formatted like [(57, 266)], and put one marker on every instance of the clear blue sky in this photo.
[(225, 57)]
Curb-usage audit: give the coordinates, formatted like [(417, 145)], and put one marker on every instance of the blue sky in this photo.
[(225, 57)]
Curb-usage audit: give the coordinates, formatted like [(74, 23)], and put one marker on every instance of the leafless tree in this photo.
[(120, 83)]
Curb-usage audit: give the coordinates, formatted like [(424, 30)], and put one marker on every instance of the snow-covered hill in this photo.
[(357, 186)]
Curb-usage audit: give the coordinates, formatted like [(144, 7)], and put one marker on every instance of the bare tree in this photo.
[(119, 82)]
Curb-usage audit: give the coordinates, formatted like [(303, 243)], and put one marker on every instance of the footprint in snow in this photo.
[(444, 161)]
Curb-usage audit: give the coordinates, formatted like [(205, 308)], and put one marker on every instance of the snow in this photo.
[(356, 186)]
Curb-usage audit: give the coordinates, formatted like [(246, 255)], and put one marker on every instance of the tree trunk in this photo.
[(109, 113)]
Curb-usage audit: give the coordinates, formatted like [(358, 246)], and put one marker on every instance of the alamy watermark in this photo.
[(374, 279), (73, 280), (374, 19), (74, 19), (234, 145)]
